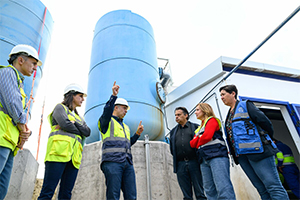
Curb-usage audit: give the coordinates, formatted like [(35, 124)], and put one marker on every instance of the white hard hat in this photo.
[(121, 101), (26, 49), (75, 87)]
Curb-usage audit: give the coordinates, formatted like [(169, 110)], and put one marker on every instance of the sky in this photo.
[(191, 34)]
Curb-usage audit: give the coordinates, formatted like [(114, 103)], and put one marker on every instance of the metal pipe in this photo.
[(167, 126), (248, 56), (147, 151)]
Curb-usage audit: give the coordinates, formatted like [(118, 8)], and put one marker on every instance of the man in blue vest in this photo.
[(23, 61), (185, 163), (249, 133), (116, 162)]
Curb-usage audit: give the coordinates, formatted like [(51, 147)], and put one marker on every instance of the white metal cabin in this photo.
[(275, 90)]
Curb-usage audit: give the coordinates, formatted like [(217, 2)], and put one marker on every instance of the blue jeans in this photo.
[(189, 176), (264, 176), (119, 176), (216, 178), (55, 171), (6, 165)]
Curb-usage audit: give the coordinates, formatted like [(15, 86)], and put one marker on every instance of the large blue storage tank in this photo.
[(25, 22), (124, 51)]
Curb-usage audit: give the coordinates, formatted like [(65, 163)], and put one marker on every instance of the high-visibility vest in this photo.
[(9, 133), (245, 133), (214, 148), (116, 142), (287, 159), (63, 146)]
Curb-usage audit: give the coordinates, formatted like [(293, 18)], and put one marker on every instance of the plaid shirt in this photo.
[(10, 95)]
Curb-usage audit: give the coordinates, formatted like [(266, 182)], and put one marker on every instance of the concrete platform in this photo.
[(90, 183), (23, 176)]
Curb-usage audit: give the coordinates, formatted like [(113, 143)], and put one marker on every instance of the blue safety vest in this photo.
[(245, 133)]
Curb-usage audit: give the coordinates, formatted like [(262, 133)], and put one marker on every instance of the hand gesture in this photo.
[(115, 89), (140, 128)]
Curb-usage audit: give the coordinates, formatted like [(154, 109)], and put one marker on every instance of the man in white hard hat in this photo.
[(23, 61), (116, 162)]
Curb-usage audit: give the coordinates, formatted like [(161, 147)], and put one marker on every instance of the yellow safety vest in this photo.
[(286, 159), (116, 142), (9, 133), (63, 146), (117, 130)]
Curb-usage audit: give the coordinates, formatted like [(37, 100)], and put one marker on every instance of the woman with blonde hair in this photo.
[(212, 154)]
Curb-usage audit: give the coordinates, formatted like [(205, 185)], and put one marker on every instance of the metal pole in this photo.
[(147, 151), (248, 56)]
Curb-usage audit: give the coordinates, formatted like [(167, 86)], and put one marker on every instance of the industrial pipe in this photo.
[(248, 56)]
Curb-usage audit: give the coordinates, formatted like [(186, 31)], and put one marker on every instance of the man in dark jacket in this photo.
[(185, 161)]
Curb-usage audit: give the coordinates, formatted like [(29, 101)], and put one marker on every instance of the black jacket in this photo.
[(194, 126)]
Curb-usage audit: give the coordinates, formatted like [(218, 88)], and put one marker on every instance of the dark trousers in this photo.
[(119, 176), (189, 176), (55, 171), (292, 178)]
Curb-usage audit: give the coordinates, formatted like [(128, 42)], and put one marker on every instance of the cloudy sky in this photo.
[(191, 34)]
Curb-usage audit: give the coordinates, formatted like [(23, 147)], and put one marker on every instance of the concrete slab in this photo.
[(23, 176), (90, 183)]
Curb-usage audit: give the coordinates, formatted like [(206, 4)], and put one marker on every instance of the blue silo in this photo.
[(25, 22), (124, 51)]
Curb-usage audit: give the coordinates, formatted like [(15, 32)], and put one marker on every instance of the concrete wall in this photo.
[(23, 176), (90, 183)]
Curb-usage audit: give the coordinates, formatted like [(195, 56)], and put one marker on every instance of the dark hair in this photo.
[(13, 57), (184, 110), (68, 100), (230, 89)]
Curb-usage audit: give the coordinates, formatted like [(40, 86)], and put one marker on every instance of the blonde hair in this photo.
[(207, 110)]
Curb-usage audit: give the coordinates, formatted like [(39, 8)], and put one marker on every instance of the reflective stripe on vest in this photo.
[(113, 150), (113, 138), (202, 129), (64, 146), (216, 141), (249, 145), (241, 115), (288, 159), (245, 134), (60, 132)]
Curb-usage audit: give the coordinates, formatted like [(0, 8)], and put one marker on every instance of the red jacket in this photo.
[(211, 127)]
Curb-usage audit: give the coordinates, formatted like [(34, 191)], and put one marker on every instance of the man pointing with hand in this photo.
[(116, 162)]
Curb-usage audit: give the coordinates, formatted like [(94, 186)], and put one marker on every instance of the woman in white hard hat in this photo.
[(64, 148)]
